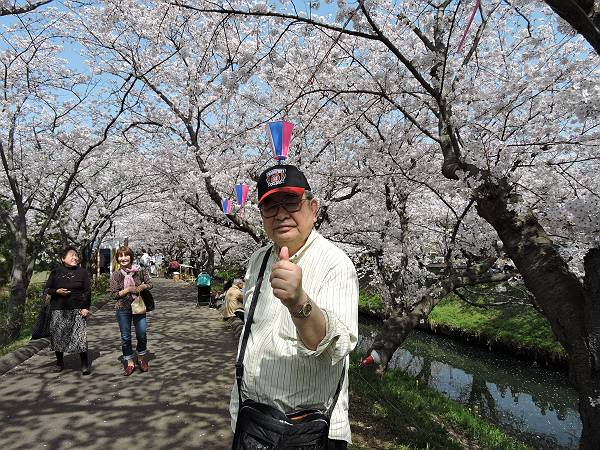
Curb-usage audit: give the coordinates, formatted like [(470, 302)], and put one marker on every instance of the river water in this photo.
[(532, 403)]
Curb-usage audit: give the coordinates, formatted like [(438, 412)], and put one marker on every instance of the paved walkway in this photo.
[(182, 403)]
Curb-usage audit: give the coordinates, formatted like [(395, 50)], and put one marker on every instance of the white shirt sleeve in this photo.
[(338, 299)]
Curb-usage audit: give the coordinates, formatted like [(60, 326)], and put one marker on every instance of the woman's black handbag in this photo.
[(148, 299), (262, 427), (41, 329)]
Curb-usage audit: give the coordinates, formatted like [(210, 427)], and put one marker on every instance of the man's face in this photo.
[(285, 228)]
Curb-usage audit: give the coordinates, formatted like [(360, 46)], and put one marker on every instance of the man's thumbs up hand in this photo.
[(284, 254), (286, 280)]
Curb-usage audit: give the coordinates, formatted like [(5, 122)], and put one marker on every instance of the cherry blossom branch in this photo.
[(6, 10)]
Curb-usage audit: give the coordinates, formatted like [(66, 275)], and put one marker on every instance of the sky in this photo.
[(75, 61)]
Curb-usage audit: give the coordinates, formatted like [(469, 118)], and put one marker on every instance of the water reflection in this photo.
[(532, 403)]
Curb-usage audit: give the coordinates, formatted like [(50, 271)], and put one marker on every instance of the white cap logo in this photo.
[(275, 177)]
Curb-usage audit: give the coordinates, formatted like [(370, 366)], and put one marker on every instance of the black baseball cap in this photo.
[(281, 178)]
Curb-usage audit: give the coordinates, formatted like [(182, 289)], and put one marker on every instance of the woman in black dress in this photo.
[(70, 297)]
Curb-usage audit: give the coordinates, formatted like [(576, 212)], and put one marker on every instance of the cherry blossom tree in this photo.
[(198, 132), (54, 119), (106, 189), (201, 102), (512, 119), (9, 8), (582, 15)]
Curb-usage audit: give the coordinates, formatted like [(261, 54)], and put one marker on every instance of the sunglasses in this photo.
[(270, 209)]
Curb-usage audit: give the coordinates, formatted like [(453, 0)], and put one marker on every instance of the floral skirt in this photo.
[(68, 331)]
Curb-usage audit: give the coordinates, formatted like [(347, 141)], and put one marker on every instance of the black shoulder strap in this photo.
[(239, 365), (329, 411)]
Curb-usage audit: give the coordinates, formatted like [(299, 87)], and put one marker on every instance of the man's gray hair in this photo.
[(309, 195), (238, 281)]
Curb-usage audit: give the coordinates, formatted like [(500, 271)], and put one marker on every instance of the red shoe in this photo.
[(143, 365), (128, 370)]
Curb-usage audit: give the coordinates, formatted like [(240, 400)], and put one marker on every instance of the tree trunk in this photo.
[(87, 255), (589, 410), (210, 260), (395, 330), (19, 281), (589, 398)]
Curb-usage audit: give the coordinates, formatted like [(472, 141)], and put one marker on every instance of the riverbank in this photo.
[(517, 330), (395, 411)]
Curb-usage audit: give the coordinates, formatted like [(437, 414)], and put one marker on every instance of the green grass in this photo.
[(23, 339), (368, 302), (228, 273), (39, 277), (519, 326), (394, 411)]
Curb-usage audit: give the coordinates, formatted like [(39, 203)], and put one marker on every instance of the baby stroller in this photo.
[(203, 282), (204, 297)]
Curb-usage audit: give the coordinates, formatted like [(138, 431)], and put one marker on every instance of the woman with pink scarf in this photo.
[(125, 284)]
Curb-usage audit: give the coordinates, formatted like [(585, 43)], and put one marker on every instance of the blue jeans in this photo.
[(125, 317)]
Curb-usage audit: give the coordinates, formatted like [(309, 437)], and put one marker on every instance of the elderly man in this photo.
[(234, 299), (306, 318)]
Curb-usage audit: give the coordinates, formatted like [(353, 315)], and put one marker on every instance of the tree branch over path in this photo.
[(582, 15), (239, 12), (6, 10)]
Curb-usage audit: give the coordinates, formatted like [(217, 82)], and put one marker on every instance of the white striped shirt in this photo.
[(279, 370)]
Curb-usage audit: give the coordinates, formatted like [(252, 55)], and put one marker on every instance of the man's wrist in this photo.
[(302, 308), (298, 303)]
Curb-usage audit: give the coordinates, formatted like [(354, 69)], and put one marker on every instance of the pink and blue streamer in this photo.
[(241, 193), (464, 36), (226, 204), (280, 133)]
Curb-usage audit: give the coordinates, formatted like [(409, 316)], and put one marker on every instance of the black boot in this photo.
[(60, 363), (85, 365)]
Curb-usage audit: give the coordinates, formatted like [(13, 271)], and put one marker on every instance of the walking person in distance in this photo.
[(125, 284), (70, 293)]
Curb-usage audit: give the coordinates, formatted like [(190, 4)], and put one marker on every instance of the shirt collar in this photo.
[(314, 234)]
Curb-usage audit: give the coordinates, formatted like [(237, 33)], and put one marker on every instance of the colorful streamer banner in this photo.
[(464, 36), (226, 204), (241, 193), (280, 133)]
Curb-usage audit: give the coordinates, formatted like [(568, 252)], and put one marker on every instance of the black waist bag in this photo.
[(263, 427)]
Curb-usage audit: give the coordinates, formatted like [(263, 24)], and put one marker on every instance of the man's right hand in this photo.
[(62, 291)]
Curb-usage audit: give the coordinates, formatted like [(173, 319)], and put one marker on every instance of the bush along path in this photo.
[(181, 403), (35, 300)]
